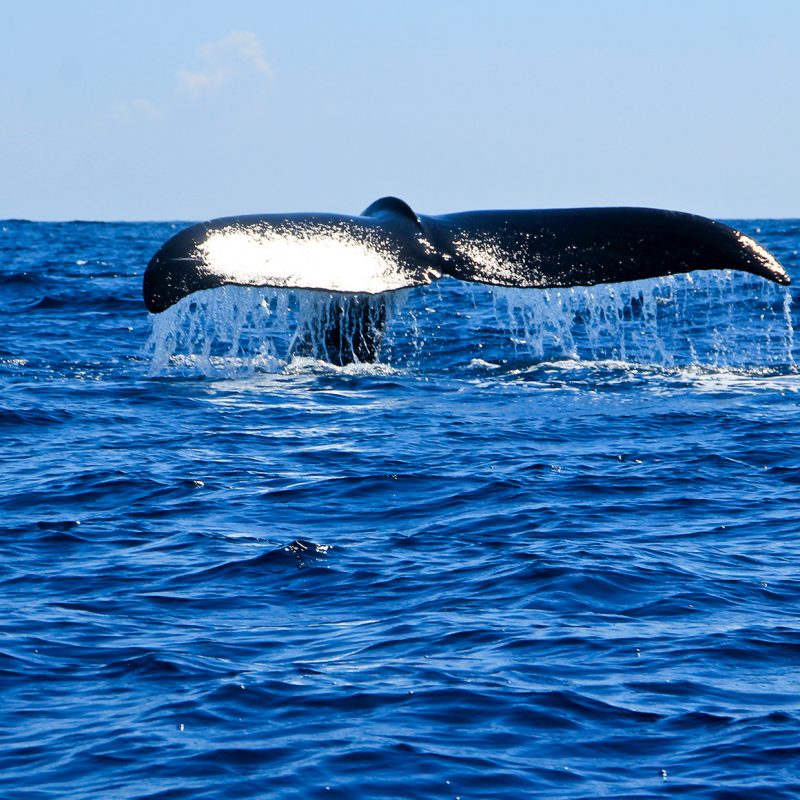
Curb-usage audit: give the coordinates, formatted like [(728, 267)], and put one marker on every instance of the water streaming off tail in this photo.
[(717, 319), (235, 330), (720, 320)]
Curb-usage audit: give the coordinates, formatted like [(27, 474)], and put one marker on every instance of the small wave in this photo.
[(298, 554), (20, 279), (50, 301), (33, 416), (84, 301), (149, 665)]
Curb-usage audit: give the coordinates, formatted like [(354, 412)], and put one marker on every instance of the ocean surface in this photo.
[(548, 546)]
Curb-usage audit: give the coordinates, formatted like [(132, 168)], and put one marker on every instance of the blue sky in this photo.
[(189, 110)]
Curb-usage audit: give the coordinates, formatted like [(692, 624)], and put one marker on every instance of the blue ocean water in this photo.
[(547, 547)]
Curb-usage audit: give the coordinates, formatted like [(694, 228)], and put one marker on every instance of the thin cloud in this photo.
[(142, 109), (234, 58)]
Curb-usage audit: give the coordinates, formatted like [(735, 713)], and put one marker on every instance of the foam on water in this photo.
[(722, 320)]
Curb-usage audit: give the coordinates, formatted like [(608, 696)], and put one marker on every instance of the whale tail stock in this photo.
[(389, 247)]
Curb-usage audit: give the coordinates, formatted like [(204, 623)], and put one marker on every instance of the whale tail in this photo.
[(389, 247)]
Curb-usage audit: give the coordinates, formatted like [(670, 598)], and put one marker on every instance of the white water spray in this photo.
[(720, 320), (717, 319)]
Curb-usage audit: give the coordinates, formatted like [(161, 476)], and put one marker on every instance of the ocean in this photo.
[(548, 546)]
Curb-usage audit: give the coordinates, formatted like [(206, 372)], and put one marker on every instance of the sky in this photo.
[(189, 110)]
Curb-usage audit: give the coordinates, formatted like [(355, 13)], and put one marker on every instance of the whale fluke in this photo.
[(389, 247)]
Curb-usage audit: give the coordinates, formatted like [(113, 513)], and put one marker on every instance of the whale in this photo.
[(389, 247)]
